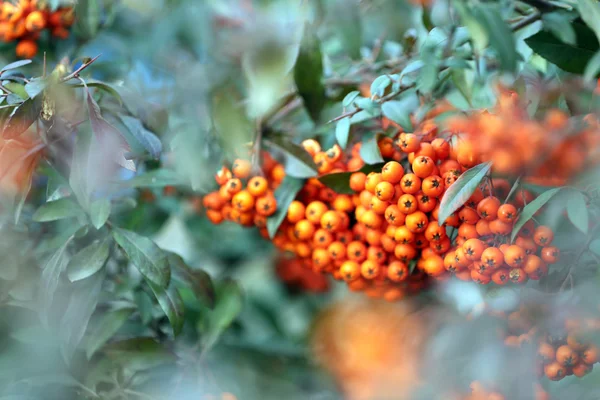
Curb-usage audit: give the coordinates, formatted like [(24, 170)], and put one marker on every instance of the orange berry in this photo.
[(394, 216), (214, 216), (500, 276), (405, 252), (507, 213), (517, 275), (304, 230), (441, 148), (243, 201), (423, 166), (369, 269), (350, 270), (546, 352), (590, 355), (26, 48), (434, 265), (222, 176), (581, 369), (433, 186), (527, 244), (515, 256), (376, 254), (554, 371), (356, 251), (467, 231), (534, 267), (473, 249), (566, 356), (384, 191), (35, 21), (213, 201), (334, 153), (314, 211), (337, 251), (417, 222), (575, 343), (372, 180), (407, 203), (488, 208), (378, 206), (241, 168), (425, 203), (397, 271), (435, 232), (296, 211), (392, 172), (410, 183), (311, 146), (403, 235), (266, 205), (257, 186), (500, 228), (483, 228), (321, 258), (322, 238), (480, 278), (331, 221), (409, 143), (357, 181), (550, 254), (492, 257), (543, 236), (233, 186), (371, 220)]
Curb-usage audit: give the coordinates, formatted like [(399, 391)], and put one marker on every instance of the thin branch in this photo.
[(525, 21), (75, 74)]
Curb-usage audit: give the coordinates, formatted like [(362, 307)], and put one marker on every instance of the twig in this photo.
[(75, 74), (348, 114), (523, 22)]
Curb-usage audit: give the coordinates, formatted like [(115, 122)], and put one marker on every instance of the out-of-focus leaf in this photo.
[(369, 151), (577, 211), (592, 68), (348, 25), (228, 305), (589, 10), (350, 97), (571, 58), (56, 210), (285, 194), (35, 87), (139, 354), (342, 131), (460, 81), (21, 118), (107, 134), (106, 328), (78, 179), (559, 24), (531, 209), (76, 317), (428, 74), (88, 261), (595, 246), (500, 36), (340, 181), (196, 279), (144, 305), (171, 303), (379, 85), (15, 65), (51, 276), (147, 257), (295, 151), (399, 111), (460, 191), (88, 17), (233, 127), (148, 140), (103, 86), (157, 178), (99, 212), (308, 73)]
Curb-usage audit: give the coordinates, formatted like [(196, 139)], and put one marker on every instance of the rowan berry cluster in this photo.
[(24, 21), (548, 152)]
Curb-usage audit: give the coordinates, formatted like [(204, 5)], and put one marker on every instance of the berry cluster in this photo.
[(548, 152), (23, 21)]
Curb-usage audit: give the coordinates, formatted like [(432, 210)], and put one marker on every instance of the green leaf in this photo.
[(147, 257), (21, 118), (350, 97), (531, 209), (157, 178), (592, 68), (577, 211), (308, 73), (35, 87), (56, 210), (148, 140), (428, 74), (171, 303), (399, 111), (145, 306), (369, 151), (88, 261), (340, 181), (232, 125), (78, 180), (460, 191), (139, 354), (102, 86), (196, 279), (107, 326), (342, 131), (500, 36), (513, 189), (76, 317), (595, 246), (589, 10), (88, 18), (571, 58), (99, 212), (560, 26), (285, 194), (15, 65), (348, 26), (294, 151), (379, 85), (51, 275), (229, 304), (460, 81)]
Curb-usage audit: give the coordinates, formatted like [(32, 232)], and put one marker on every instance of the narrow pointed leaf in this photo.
[(285, 194), (531, 209)]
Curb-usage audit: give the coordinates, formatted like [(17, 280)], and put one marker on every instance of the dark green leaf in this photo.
[(171, 303), (88, 18), (577, 211), (499, 34), (589, 11), (342, 131), (531, 209), (15, 65), (350, 97), (139, 354), (369, 151), (148, 140), (308, 73), (21, 118), (460, 191), (560, 25), (106, 328), (88, 261), (59, 209), (340, 181), (157, 178), (76, 317), (293, 150), (145, 306), (148, 258), (99, 212), (571, 58), (196, 279), (285, 194)]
